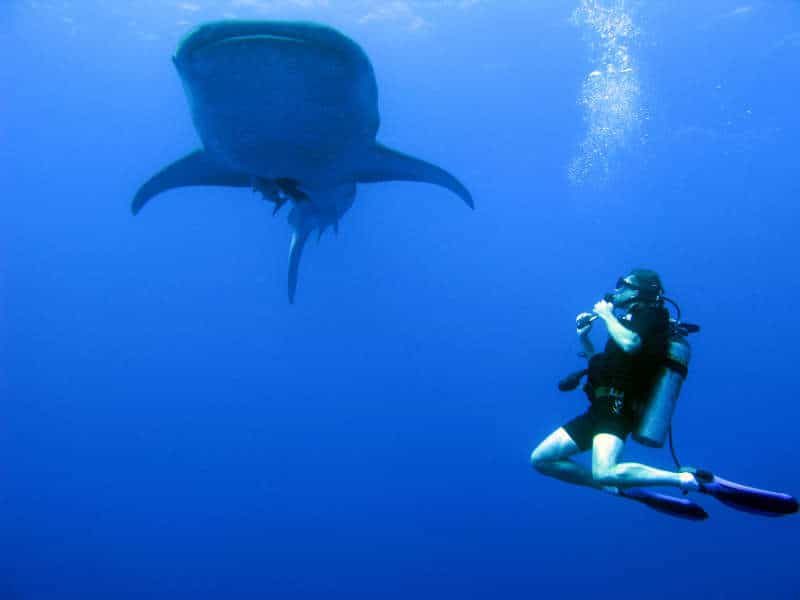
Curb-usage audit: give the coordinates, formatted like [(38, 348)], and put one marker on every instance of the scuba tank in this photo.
[(656, 415)]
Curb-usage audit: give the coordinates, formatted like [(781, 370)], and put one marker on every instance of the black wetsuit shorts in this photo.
[(607, 414)]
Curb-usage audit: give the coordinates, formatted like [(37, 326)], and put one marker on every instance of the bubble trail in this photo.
[(610, 95)]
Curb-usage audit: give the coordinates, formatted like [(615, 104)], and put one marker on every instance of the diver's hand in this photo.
[(604, 310), (584, 317)]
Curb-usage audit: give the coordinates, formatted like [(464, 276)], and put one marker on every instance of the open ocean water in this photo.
[(171, 427)]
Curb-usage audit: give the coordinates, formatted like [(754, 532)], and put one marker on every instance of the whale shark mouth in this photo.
[(203, 42), (226, 33), (233, 40)]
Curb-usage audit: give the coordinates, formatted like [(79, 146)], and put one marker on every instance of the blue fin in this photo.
[(670, 505), (741, 497)]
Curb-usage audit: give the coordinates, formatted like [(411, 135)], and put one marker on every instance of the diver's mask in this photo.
[(625, 294), (640, 286)]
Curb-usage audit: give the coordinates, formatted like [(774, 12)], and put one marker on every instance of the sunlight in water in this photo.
[(610, 95)]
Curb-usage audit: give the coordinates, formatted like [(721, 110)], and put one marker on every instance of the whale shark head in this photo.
[(256, 86)]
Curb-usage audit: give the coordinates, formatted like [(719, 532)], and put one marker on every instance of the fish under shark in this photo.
[(289, 109)]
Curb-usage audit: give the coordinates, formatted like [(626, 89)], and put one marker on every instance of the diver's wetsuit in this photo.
[(618, 379)]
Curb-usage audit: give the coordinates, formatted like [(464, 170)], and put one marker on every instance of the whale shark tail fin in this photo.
[(196, 168), (322, 209), (299, 239), (303, 220), (389, 165)]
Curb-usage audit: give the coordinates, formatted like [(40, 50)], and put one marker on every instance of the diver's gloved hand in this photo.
[(583, 323)]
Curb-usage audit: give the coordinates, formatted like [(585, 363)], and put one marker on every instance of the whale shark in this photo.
[(289, 109)]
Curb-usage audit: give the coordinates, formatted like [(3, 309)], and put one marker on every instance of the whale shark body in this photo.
[(289, 109)]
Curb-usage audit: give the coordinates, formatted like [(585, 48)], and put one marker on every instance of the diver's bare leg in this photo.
[(551, 458), (606, 471)]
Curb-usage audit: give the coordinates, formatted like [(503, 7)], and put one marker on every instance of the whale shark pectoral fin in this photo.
[(196, 168), (386, 164)]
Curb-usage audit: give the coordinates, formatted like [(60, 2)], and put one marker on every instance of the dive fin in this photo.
[(741, 497), (196, 168), (669, 505), (389, 165)]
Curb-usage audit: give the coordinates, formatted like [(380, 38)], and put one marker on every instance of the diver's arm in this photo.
[(586, 345), (628, 340), (583, 337)]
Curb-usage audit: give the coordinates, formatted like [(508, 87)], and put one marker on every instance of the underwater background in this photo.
[(171, 427)]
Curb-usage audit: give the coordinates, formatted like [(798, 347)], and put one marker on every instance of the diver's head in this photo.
[(640, 286)]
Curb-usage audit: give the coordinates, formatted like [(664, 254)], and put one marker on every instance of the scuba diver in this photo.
[(632, 387)]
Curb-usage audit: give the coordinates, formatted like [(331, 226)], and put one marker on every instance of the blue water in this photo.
[(172, 428)]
